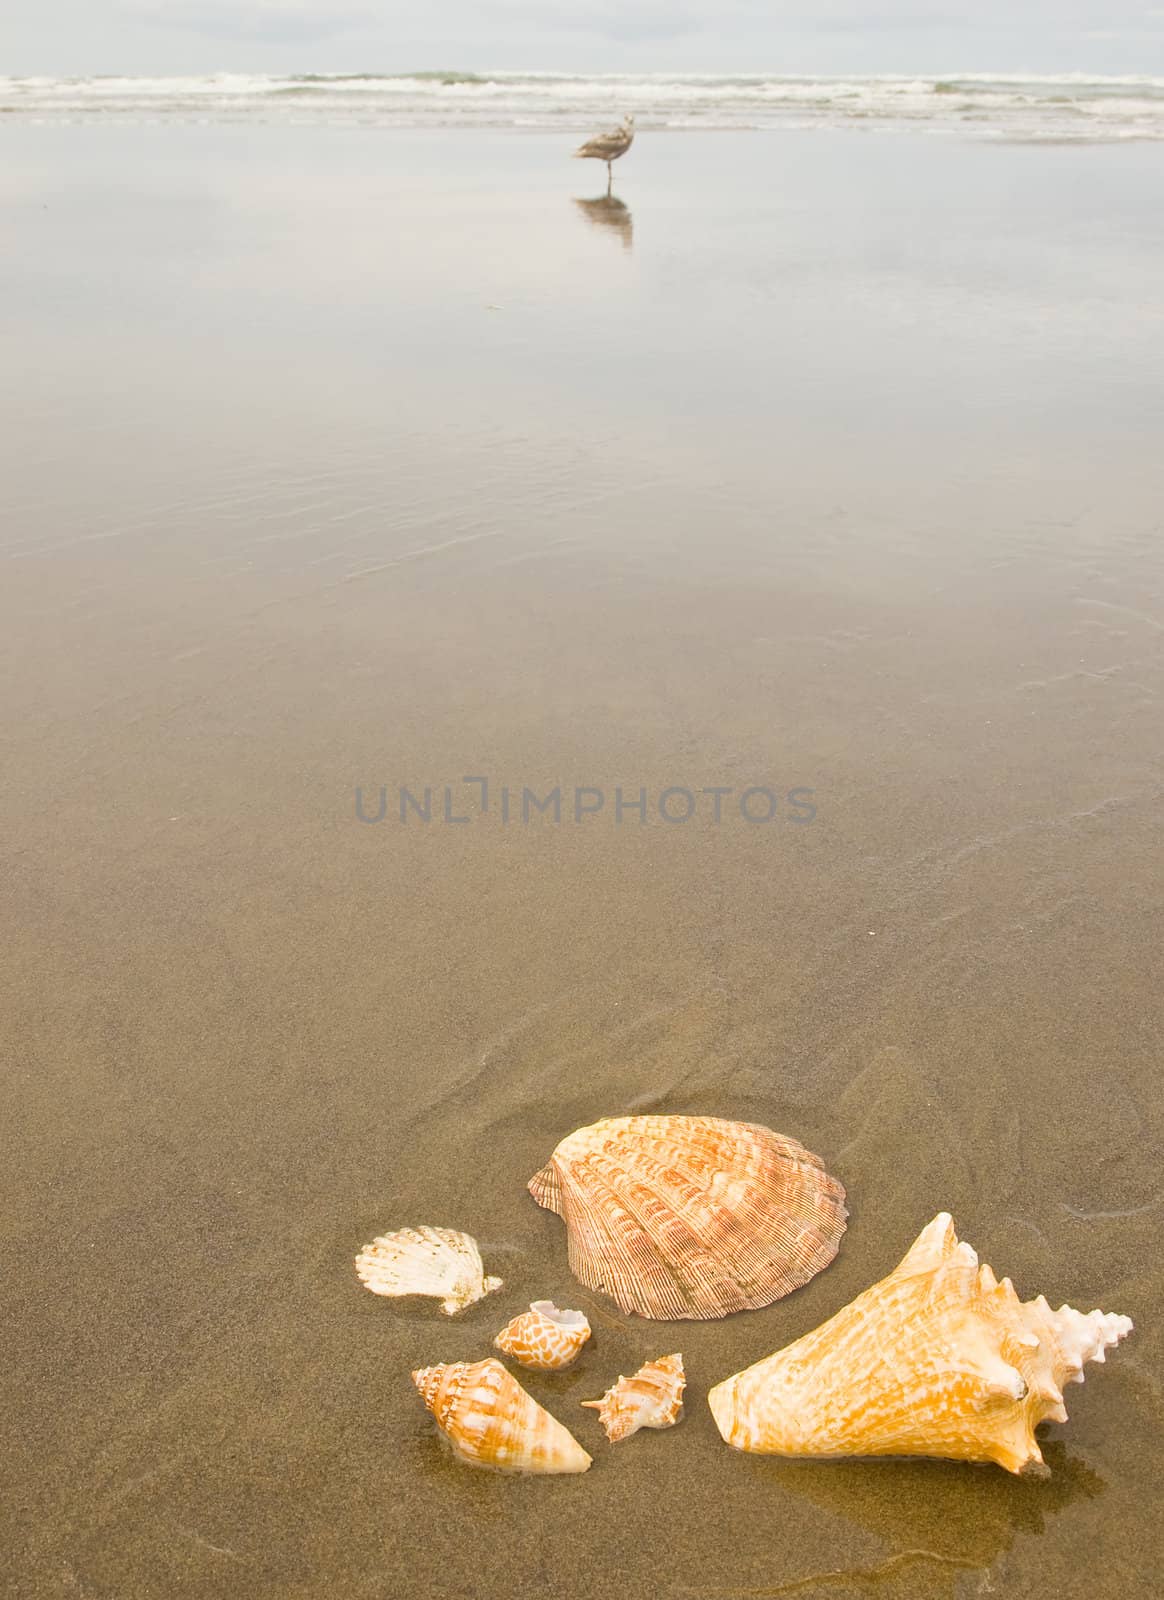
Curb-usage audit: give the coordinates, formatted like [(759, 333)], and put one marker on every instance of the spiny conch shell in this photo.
[(435, 1261), (938, 1359), (544, 1337), (691, 1216), (491, 1421), (653, 1398)]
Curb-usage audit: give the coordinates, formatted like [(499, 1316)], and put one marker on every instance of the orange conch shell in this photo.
[(691, 1216), (434, 1261), (490, 1421), (938, 1359), (544, 1337), (653, 1398)]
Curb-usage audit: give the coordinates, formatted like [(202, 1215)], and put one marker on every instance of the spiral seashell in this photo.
[(491, 1422), (938, 1359), (432, 1261), (691, 1217), (653, 1398), (544, 1337)]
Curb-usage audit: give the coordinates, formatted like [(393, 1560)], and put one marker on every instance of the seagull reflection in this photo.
[(608, 211)]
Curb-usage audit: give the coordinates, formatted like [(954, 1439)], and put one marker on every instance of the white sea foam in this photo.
[(1073, 106)]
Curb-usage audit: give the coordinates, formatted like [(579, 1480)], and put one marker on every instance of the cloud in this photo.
[(290, 20), (156, 37)]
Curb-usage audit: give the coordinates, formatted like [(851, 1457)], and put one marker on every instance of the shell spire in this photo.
[(937, 1359), (691, 1217), (491, 1421), (544, 1337), (653, 1398), (439, 1262)]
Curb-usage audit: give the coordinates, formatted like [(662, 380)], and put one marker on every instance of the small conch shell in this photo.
[(938, 1359), (434, 1261), (491, 1422), (544, 1337), (691, 1216), (653, 1398)]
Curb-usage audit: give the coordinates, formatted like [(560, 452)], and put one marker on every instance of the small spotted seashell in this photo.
[(544, 1337)]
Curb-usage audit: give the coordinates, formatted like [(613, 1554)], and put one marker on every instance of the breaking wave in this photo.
[(1073, 107)]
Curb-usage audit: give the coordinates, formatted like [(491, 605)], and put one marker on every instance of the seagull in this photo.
[(609, 146)]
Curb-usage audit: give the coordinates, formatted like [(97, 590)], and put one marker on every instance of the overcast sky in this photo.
[(184, 36)]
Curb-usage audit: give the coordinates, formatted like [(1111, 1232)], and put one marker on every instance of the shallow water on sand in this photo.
[(339, 460)]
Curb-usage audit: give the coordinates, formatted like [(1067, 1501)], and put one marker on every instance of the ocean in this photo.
[(1073, 107)]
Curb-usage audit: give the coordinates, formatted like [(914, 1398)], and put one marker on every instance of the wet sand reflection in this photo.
[(608, 211)]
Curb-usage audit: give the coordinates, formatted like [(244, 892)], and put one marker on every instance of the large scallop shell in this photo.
[(938, 1359), (544, 1337), (691, 1216), (653, 1398), (434, 1261), (491, 1422)]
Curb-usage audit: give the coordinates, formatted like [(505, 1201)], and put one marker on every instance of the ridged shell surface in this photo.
[(544, 1337), (937, 1359), (691, 1217), (653, 1398), (491, 1422), (431, 1261)]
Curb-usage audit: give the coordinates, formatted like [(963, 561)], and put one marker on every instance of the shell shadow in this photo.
[(953, 1517)]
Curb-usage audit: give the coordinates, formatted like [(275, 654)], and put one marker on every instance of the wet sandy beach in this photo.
[(345, 461)]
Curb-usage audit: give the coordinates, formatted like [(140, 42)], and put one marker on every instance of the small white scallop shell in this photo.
[(431, 1261), (544, 1337)]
